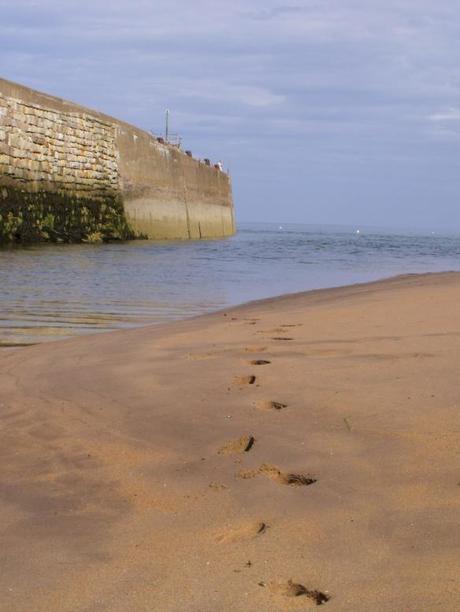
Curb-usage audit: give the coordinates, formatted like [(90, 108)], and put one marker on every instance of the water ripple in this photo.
[(51, 292)]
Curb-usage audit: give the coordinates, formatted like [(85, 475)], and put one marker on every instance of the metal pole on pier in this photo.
[(167, 125)]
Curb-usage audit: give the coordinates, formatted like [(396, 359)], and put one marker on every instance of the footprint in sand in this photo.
[(267, 332), (255, 349), (296, 589), (275, 474), (269, 405), (276, 330), (291, 325), (234, 447), (199, 356), (241, 381), (242, 532)]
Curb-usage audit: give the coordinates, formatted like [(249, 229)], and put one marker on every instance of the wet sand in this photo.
[(282, 455)]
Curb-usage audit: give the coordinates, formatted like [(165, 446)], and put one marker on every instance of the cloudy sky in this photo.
[(325, 111)]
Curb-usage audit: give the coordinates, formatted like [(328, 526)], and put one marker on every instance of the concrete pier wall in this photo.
[(70, 173)]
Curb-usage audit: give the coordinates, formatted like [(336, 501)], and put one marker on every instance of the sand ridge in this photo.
[(283, 455)]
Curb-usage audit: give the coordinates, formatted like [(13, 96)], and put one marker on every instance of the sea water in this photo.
[(49, 292)]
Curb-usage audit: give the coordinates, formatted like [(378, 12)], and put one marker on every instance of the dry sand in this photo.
[(266, 458)]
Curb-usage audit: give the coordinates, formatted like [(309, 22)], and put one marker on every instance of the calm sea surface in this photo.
[(52, 292)]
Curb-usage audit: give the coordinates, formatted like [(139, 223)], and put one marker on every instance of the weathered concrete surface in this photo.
[(53, 151)]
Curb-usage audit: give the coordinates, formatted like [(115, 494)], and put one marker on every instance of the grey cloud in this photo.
[(274, 12)]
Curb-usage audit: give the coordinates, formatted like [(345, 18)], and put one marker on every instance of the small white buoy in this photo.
[(358, 232)]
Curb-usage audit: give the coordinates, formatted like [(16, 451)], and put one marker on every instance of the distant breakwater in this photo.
[(70, 174)]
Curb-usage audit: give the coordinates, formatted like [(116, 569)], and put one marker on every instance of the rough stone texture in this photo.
[(69, 173), (46, 149)]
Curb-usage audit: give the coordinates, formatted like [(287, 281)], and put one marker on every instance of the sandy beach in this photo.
[(285, 454)]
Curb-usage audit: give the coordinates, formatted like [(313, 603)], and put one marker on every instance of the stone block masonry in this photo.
[(57, 150), (70, 174)]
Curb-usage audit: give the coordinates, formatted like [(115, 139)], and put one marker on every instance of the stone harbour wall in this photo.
[(57, 150), (70, 174)]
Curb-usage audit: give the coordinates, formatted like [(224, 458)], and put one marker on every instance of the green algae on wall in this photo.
[(53, 217)]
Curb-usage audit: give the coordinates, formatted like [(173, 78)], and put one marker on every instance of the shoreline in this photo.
[(289, 452), (259, 301)]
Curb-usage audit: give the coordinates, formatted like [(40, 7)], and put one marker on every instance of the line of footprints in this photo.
[(244, 445)]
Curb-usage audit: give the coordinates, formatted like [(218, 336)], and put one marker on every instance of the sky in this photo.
[(324, 111)]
